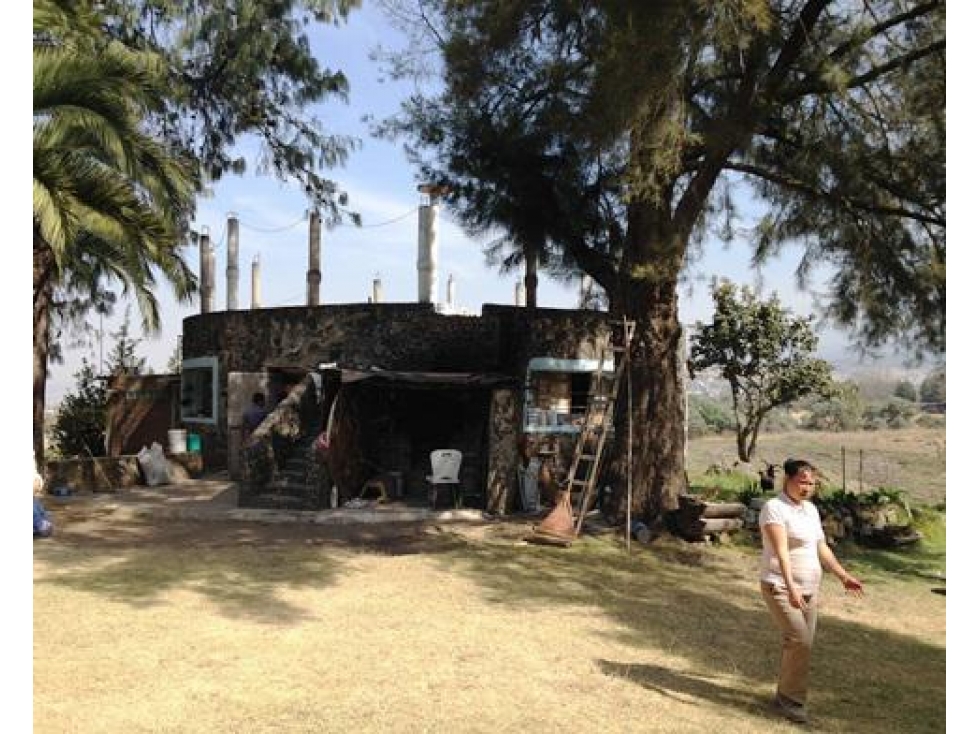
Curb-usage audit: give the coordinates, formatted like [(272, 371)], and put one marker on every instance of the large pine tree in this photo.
[(638, 121)]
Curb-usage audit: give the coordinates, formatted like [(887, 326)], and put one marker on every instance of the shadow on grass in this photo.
[(243, 568), (700, 605)]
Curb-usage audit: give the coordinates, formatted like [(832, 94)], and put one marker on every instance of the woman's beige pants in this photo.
[(798, 630)]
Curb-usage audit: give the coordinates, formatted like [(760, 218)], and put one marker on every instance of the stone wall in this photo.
[(398, 336), (544, 332), (409, 337)]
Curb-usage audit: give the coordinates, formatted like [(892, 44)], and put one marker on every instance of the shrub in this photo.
[(715, 415), (842, 411), (895, 413), (906, 391), (79, 428)]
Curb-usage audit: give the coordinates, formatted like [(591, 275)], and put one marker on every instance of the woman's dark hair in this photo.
[(791, 467)]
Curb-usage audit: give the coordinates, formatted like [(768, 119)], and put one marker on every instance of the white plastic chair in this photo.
[(445, 472)]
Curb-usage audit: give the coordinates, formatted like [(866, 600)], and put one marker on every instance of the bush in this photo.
[(79, 428), (932, 388), (779, 420), (710, 415), (843, 411), (895, 413), (906, 391)]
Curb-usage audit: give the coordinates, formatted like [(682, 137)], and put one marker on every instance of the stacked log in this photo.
[(697, 519)]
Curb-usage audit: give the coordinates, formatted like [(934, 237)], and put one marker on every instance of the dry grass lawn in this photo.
[(234, 627)]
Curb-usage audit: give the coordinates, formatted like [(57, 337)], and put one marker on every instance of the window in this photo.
[(556, 393), (199, 390)]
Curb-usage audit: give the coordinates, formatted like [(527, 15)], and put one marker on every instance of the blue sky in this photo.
[(382, 189)]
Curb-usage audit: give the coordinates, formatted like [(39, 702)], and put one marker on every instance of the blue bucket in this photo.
[(194, 443)]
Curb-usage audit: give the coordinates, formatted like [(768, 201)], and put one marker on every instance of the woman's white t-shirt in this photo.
[(803, 530)]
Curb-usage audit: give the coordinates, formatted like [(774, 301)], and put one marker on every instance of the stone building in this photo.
[(383, 384), (406, 380)]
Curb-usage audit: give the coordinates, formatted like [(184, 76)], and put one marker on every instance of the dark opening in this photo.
[(399, 427)]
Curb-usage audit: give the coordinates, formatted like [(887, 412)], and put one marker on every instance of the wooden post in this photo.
[(843, 459), (628, 481), (860, 473)]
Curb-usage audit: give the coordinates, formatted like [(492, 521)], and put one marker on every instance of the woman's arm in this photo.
[(829, 561), (779, 541)]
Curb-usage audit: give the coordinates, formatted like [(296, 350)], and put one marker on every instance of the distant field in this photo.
[(911, 459)]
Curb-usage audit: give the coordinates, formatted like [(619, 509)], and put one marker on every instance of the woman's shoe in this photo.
[(791, 710)]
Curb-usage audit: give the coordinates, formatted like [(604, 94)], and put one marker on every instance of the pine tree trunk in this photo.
[(658, 389), (43, 290), (530, 279)]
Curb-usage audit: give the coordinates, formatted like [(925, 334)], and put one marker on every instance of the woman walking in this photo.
[(794, 553)]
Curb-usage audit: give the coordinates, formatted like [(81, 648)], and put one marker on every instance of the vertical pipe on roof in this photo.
[(207, 294), (428, 242), (232, 269), (256, 284), (314, 275)]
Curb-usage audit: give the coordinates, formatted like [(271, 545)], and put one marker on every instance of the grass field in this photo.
[(910, 459), (233, 627)]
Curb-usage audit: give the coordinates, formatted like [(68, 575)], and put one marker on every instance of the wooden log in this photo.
[(724, 509), (712, 526)]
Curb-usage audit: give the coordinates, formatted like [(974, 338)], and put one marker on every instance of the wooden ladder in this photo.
[(599, 416)]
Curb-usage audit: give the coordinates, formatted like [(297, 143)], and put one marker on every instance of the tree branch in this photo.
[(796, 93), (731, 132), (884, 25), (804, 188)]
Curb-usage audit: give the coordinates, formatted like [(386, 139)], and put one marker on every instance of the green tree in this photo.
[(842, 410), (79, 426), (639, 123), (708, 415), (175, 361), (764, 354), (892, 413), (243, 70), (110, 202), (123, 359), (932, 388), (906, 391), (81, 422)]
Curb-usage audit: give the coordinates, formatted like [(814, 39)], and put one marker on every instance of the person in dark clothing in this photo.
[(253, 416)]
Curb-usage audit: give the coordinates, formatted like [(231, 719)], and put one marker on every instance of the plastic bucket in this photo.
[(194, 443), (177, 438)]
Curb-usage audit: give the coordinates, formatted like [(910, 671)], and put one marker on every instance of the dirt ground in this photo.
[(223, 627)]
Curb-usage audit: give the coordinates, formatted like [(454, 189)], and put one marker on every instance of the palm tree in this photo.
[(111, 203)]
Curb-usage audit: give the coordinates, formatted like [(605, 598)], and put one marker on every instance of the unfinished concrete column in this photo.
[(501, 474), (428, 249), (256, 284), (313, 275), (450, 291), (206, 273), (231, 272), (427, 254), (520, 294), (584, 291)]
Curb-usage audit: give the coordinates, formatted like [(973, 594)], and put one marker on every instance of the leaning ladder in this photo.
[(599, 416)]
